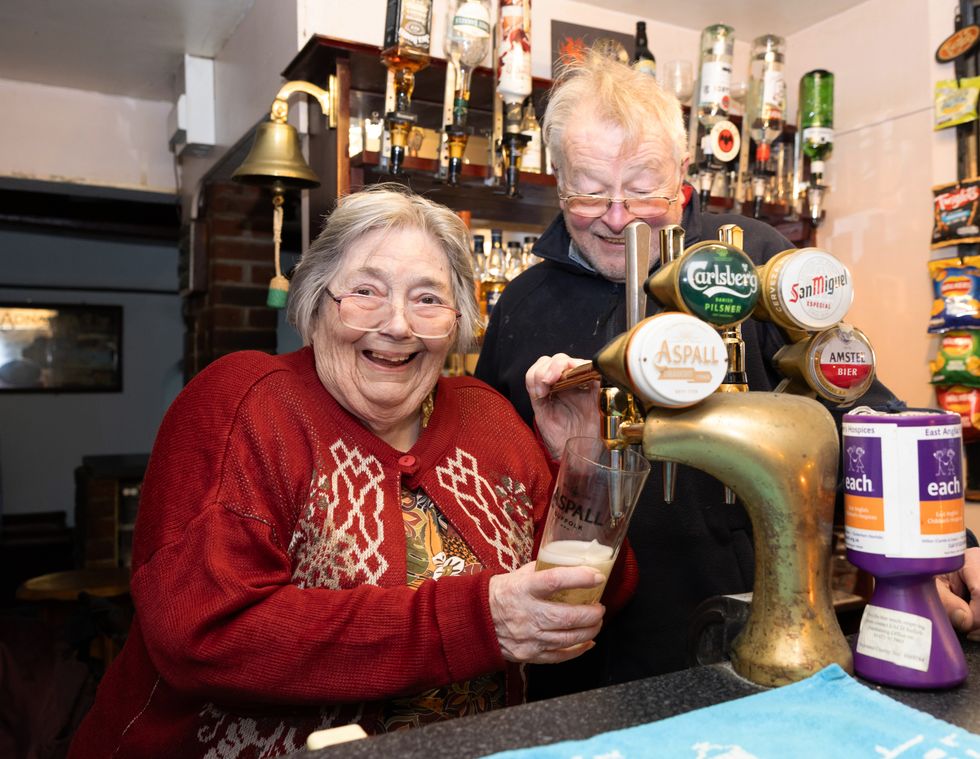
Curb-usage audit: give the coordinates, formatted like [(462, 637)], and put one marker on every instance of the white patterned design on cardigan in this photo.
[(226, 735), (479, 501), (337, 541)]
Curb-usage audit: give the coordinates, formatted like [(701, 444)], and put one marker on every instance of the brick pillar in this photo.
[(227, 312)]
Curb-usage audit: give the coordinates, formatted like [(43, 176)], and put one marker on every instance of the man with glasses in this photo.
[(618, 147)]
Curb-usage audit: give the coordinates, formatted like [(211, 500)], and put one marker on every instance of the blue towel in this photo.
[(827, 715)]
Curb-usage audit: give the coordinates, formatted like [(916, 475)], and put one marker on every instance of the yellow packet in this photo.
[(956, 101)]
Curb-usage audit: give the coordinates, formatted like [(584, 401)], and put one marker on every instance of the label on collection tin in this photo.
[(903, 486), (896, 636)]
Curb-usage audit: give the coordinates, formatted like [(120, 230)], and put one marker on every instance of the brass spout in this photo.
[(779, 454)]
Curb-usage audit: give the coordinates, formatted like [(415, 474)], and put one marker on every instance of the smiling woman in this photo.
[(341, 535), (383, 295)]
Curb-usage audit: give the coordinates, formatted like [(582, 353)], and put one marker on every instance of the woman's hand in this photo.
[(953, 587), (533, 630), (566, 414)]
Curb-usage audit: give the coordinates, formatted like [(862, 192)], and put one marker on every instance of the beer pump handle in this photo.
[(736, 381), (671, 248), (637, 270)]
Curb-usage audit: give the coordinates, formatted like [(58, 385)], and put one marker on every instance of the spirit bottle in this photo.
[(513, 81), (643, 59), (713, 100), (405, 52), (494, 278), (479, 260), (817, 118), (765, 108), (531, 159), (816, 133), (715, 82), (467, 44), (513, 260)]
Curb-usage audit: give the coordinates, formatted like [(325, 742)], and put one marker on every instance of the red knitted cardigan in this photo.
[(269, 563)]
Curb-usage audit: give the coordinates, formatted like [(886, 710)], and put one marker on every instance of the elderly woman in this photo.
[(340, 534)]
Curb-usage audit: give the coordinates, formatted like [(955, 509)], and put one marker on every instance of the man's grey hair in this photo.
[(385, 208), (615, 93)]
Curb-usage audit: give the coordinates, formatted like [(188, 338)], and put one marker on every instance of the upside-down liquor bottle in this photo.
[(513, 81), (405, 52)]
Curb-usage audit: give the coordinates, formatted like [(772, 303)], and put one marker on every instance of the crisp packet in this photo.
[(954, 213), (956, 101), (964, 401), (956, 292), (957, 361)]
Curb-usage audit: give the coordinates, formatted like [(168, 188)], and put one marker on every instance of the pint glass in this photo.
[(590, 510)]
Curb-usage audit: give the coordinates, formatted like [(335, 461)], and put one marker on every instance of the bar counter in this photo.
[(619, 706)]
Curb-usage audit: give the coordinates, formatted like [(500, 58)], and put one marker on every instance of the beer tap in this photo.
[(616, 406), (778, 452), (618, 410), (736, 381), (671, 248), (807, 293)]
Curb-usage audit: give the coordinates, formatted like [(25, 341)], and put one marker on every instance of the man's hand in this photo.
[(570, 413), (955, 587)]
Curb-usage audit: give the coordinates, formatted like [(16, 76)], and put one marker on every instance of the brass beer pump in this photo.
[(779, 454)]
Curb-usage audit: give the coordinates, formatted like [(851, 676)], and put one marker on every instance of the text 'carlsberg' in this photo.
[(722, 279)]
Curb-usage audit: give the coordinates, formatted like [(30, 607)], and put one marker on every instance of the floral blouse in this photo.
[(436, 550)]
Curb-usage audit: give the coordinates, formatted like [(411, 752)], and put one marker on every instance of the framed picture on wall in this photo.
[(60, 348), (570, 41)]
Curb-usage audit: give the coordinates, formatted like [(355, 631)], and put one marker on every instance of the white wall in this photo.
[(246, 80), (885, 160), (60, 135)]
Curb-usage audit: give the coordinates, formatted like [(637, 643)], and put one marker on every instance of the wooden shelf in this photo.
[(361, 81), (536, 204)]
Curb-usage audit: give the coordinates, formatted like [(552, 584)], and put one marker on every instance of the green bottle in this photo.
[(817, 117)]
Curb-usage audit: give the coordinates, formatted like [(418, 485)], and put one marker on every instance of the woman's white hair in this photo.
[(386, 208), (616, 93)]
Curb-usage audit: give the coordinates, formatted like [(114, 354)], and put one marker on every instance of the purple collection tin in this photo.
[(903, 504)]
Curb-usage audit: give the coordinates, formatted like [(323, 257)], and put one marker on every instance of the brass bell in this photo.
[(276, 157)]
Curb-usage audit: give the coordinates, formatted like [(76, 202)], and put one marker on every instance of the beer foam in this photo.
[(573, 553)]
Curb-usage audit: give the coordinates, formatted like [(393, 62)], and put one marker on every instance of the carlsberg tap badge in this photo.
[(719, 284)]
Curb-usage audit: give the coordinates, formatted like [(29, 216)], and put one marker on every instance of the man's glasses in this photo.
[(594, 206), (372, 313)]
